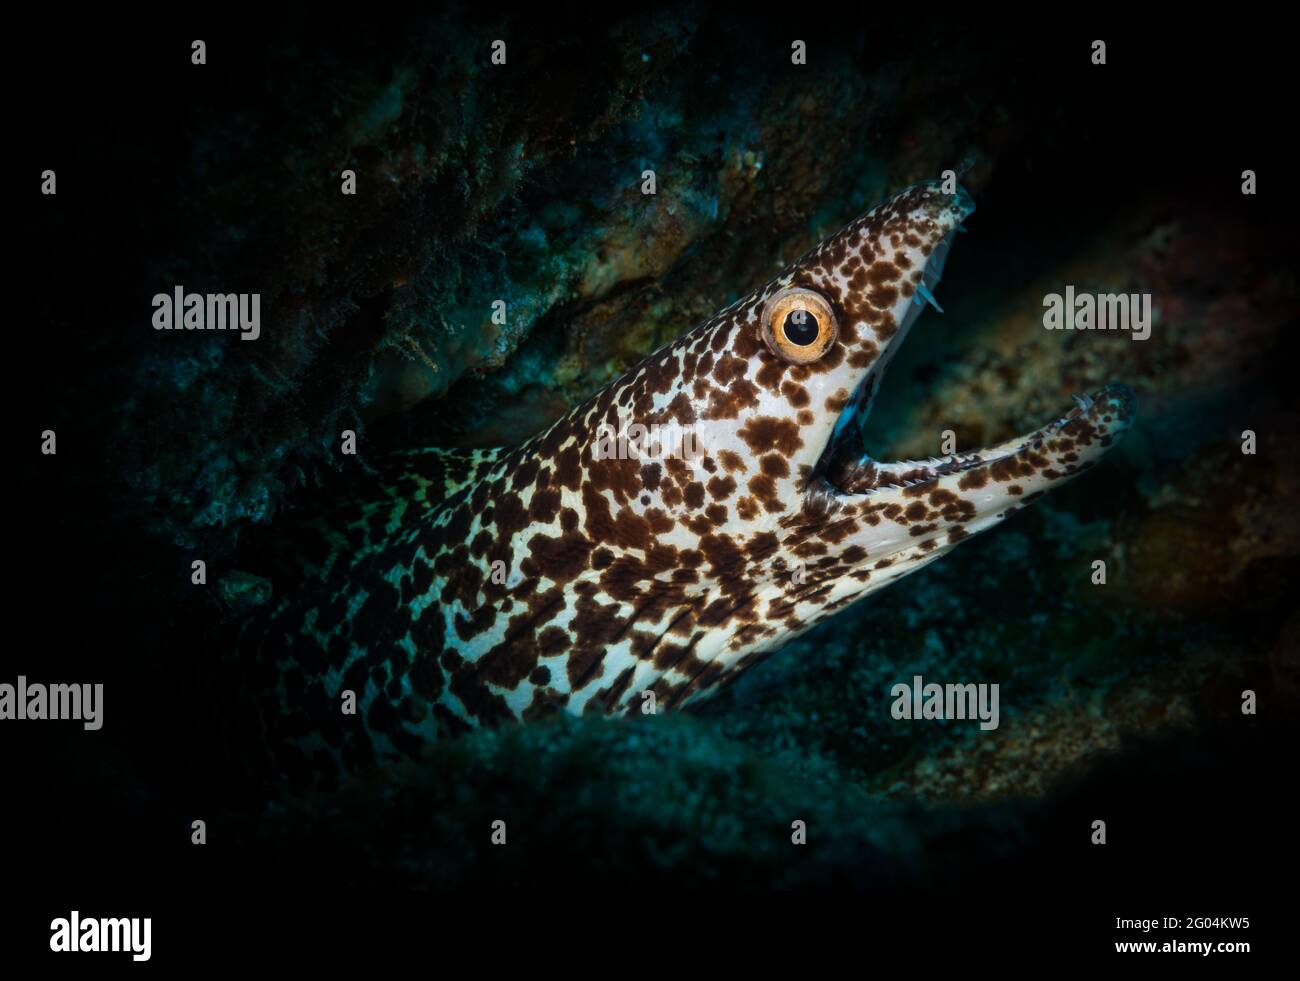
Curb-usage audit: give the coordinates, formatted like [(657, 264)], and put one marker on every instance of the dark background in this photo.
[(114, 106)]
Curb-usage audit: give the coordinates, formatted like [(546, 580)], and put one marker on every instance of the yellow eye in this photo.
[(798, 325)]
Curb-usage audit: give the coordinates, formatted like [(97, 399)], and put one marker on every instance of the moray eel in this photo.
[(575, 573)]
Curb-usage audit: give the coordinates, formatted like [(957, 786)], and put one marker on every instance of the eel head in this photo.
[(726, 472)]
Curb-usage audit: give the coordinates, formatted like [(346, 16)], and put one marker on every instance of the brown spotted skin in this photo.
[(614, 577)]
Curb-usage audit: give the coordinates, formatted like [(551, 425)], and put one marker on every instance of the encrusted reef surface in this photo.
[(476, 183), (523, 183)]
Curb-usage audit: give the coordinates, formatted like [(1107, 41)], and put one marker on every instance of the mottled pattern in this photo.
[(615, 577)]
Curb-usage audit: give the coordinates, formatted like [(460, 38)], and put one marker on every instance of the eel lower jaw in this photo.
[(1071, 443)]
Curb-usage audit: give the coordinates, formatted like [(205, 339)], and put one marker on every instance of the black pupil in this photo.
[(800, 327)]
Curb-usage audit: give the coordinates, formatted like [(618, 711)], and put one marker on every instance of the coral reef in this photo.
[(477, 184)]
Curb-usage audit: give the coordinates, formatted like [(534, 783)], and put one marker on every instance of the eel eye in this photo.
[(798, 325)]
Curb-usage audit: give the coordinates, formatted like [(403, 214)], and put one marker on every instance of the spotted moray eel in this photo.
[(618, 574)]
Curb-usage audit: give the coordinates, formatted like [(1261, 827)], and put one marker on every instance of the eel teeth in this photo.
[(923, 293)]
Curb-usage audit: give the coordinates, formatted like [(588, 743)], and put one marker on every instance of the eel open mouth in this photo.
[(1063, 447)]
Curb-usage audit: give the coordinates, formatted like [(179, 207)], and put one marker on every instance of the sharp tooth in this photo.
[(923, 293), (1083, 402)]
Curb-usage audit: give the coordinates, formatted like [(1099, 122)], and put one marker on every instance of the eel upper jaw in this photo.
[(842, 455)]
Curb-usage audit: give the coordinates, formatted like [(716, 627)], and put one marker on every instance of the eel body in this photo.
[(591, 565)]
